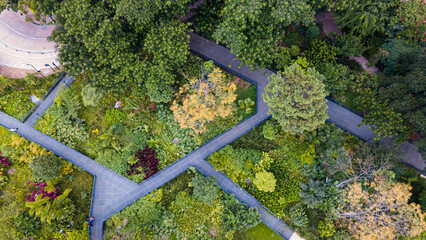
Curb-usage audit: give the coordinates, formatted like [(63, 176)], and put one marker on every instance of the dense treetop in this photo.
[(119, 50)]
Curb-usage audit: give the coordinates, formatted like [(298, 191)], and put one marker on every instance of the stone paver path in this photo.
[(45, 104), (113, 192), (241, 195)]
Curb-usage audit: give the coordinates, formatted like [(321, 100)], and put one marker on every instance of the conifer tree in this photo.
[(296, 99)]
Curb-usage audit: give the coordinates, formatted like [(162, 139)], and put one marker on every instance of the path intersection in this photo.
[(112, 192)]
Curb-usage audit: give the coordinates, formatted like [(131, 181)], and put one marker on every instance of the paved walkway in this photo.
[(45, 104), (23, 44), (221, 56), (241, 195), (113, 192)]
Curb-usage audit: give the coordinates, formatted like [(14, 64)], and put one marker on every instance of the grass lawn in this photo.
[(260, 232)]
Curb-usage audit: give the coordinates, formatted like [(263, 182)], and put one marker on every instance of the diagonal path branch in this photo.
[(112, 192), (64, 151), (45, 104), (241, 195)]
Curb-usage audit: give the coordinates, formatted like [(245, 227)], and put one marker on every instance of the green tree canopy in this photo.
[(237, 216), (296, 99), (251, 29), (365, 17), (118, 50), (205, 189)]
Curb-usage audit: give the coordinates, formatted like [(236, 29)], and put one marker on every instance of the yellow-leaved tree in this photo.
[(379, 209), (204, 99)]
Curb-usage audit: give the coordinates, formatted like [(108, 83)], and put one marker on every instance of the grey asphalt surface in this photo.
[(23, 44)]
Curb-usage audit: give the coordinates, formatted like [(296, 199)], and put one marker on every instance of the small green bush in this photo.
[(294, 50), (292, 38), (269, 131), (71, 133), (283, 59), (114, 115), (313, 31), (91, 95), (298, 215), (326, 228), (46, 168), (27, 225)]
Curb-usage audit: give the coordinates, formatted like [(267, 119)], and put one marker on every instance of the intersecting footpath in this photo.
[(112, 192), (338, 114)]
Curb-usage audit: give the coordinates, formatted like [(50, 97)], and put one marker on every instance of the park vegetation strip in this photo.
[(113, 60)]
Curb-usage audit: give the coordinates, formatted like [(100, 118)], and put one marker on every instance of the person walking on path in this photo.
[(89, 221)]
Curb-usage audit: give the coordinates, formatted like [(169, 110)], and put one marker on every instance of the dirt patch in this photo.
[(189, 15), (363, 62), (328, 22)]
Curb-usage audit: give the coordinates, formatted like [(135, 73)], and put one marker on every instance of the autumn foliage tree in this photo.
[(296, 99), (204, 99), (379, 209)]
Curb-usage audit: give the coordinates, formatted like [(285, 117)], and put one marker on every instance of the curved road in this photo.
[(24, 45)]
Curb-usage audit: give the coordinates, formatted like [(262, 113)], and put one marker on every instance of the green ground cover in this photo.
[(38, 199), (190, 206), (286, 173), (85, 119), (15, 93), (260, 232), (308, 179)]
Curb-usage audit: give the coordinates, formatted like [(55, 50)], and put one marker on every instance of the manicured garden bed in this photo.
[(40, 192), (111, 128), (190, 206), (15, 94)]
